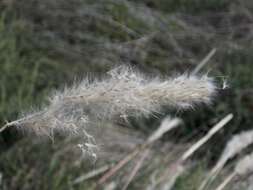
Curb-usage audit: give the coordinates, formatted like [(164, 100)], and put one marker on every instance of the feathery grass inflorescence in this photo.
[(128, 93), (123, 93), (243, 167), (233, 147)]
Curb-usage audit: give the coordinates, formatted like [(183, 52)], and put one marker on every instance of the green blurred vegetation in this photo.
[(22, 81), (188, 6), (42, 48)]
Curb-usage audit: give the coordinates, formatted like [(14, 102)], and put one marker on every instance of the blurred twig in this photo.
[(178, 166), (136, 168), (204, 61), (91, 174), (203, 140), (165, 127)]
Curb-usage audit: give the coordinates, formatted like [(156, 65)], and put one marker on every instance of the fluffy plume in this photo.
[(129, 93), (245, 166), (233, 147), (167, 124), (242, 168), (123, 93)]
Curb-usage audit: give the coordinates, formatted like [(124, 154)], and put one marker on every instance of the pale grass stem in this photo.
[(178, 166), (165, 126), (203, 140), (243, 167), (124, 93), (204, 61), (233, 147)]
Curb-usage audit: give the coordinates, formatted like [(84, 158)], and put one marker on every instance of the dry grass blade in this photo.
[(193, 149), (110, 186), (204, 61), (206, 181), (243, 167), (118, 166), (233, 147), (203, 140), (172, 180), (168, 177), (4, 127), (136, 168), (226, 181), (91, 174), (165, 126)]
